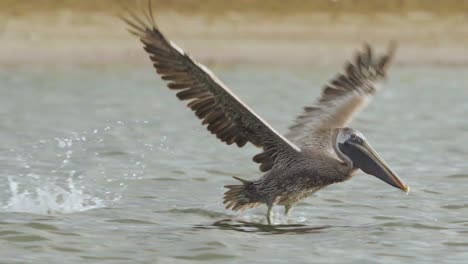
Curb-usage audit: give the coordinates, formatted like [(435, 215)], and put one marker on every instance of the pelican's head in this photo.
[(354, 147)]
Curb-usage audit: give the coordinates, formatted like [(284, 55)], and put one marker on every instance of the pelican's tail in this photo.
[(240, 197)]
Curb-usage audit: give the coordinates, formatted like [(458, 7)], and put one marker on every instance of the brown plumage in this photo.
[(314, 153)]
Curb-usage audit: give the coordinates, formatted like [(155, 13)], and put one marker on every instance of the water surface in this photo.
[(104, 165)]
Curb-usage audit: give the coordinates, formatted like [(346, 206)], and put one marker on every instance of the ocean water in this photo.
[(104, 165)]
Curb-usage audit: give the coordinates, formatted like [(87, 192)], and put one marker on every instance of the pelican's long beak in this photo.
[(367, 159)]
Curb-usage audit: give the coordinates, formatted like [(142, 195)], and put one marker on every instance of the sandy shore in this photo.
[(67, 37)]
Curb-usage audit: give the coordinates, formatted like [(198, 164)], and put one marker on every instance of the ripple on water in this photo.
[(334, 201), (131, 221), (67, 249), (179, 172), (41, 226), (253, 227), (456, 244), (24, 238), (9, 232), (63, 233), (113, 153), (165, 179), (218, 172), (105, 258), (395, 255), (412, 225), (431, 191), (458, 176), (200, 212), (207, 256), (454, 206), (384, 217)]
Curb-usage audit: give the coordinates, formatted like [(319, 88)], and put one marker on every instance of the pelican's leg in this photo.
[(287, 209), (269, 214)]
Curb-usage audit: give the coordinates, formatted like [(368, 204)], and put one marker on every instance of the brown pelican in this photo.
[(317, 151)]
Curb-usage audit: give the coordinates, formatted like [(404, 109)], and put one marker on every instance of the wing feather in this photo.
[(343, 97), (224, 114)]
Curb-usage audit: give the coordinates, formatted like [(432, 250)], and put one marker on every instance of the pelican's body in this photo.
[(318, 150), (293, 180)]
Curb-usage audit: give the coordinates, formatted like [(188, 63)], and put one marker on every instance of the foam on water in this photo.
[(50, 199)]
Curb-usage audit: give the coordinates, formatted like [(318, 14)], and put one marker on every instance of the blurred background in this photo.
[(245, 31), (101, 164)]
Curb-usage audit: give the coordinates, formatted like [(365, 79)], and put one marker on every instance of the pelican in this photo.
[(318, 150)]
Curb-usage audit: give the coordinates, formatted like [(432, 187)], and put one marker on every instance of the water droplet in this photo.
[(61, 143)]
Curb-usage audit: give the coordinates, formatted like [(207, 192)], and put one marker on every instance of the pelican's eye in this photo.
[(355, 139)]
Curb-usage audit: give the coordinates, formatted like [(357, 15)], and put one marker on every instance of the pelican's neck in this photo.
[(341, 156)]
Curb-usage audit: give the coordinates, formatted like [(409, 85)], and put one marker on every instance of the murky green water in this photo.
[(104, 165)]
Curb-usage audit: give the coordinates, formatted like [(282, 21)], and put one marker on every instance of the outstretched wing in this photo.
[(344, 96), (225, 115)]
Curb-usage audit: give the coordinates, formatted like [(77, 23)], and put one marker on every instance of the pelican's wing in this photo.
[(225, 114), (344, 96)]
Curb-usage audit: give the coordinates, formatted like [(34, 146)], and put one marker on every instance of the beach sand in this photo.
[(72, 37)]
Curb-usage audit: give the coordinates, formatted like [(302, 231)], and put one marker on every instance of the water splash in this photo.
[(79, 171), (50, 199)]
